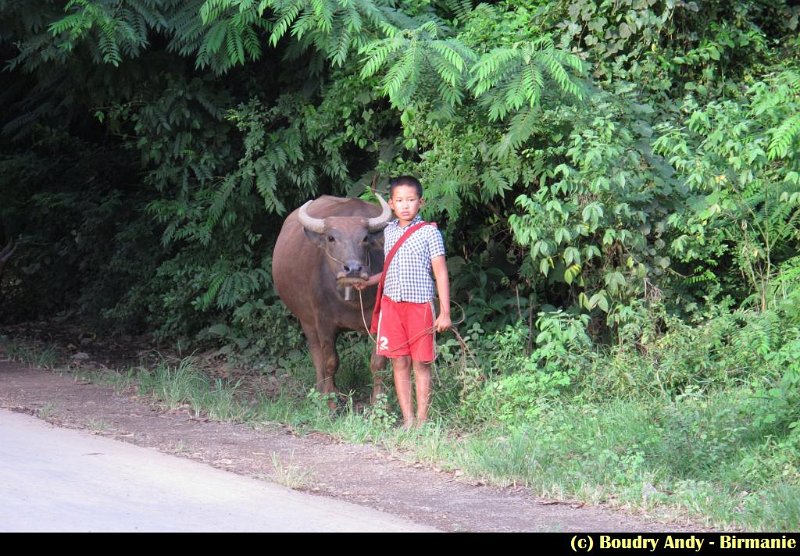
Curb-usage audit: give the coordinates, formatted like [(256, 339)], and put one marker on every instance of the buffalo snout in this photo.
[(353, 269)]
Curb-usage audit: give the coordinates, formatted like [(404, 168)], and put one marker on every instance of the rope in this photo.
[(464, 348), (466, 353), (431, 330), (344, 264), (364, 319)]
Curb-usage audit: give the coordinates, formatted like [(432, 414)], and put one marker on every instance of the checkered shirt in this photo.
[(408, 277)]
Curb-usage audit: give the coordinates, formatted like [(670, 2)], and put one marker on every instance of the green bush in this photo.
[(522, 382)]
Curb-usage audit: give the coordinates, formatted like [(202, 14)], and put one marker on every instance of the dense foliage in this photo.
[(618, 181)]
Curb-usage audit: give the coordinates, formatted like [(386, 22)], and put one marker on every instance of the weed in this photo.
[(32, 354), (290, 474), (97, 425), (46, 358), (378, 414), (46, 412), (122, 380), (176, 385), (776, 509)]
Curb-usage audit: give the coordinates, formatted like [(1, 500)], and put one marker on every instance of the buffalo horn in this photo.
[(380, 222), (309, 222)]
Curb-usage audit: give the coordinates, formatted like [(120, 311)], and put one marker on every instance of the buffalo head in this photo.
[(346, 241)]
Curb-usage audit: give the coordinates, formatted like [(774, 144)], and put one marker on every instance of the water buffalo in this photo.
[(323, 247)]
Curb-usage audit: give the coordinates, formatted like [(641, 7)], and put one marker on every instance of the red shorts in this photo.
[(406, 329)]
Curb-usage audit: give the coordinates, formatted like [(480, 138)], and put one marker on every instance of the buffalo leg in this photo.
[(330, 360), (326, 361), (377, 363), (317, 358)]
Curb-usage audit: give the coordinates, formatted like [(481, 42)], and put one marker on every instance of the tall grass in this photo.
[(183, 385), (32, 354)]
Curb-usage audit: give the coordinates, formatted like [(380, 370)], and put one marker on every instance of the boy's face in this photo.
[(405, 203)]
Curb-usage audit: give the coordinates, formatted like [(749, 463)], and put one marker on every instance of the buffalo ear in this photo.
[(316, 238), (376, 240)]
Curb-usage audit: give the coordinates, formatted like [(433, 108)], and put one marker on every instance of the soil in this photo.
[(315, 463)]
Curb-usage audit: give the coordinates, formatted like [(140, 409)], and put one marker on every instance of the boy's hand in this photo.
[(442, 323), (371, 281)]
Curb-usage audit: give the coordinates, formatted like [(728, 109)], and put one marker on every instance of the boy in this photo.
[(405, 329)]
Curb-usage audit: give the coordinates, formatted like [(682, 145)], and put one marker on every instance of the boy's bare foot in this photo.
[(419, 425)]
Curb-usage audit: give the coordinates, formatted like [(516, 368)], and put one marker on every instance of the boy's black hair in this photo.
[(405, 180)]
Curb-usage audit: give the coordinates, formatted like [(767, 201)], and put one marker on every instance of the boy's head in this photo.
[(405, 198), (410, 181)]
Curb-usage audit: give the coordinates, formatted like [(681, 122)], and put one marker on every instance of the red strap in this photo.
[(399, 242), (376, 311)]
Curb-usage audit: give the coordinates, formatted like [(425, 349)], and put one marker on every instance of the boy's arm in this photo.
[(439, 266)]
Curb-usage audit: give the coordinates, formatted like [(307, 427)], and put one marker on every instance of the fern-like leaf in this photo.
[(785, 138)]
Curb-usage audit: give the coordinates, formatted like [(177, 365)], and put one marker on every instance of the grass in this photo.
[(179, 447), (119, 380), (289, 474), (47, 411), (688, 459), (33, 355), (700, 457), (640, 455), (97, 425), (183, 385)]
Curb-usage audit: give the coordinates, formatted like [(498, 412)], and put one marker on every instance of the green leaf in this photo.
[(571, 272), (572, 255), (584, 301), (614, 281)]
